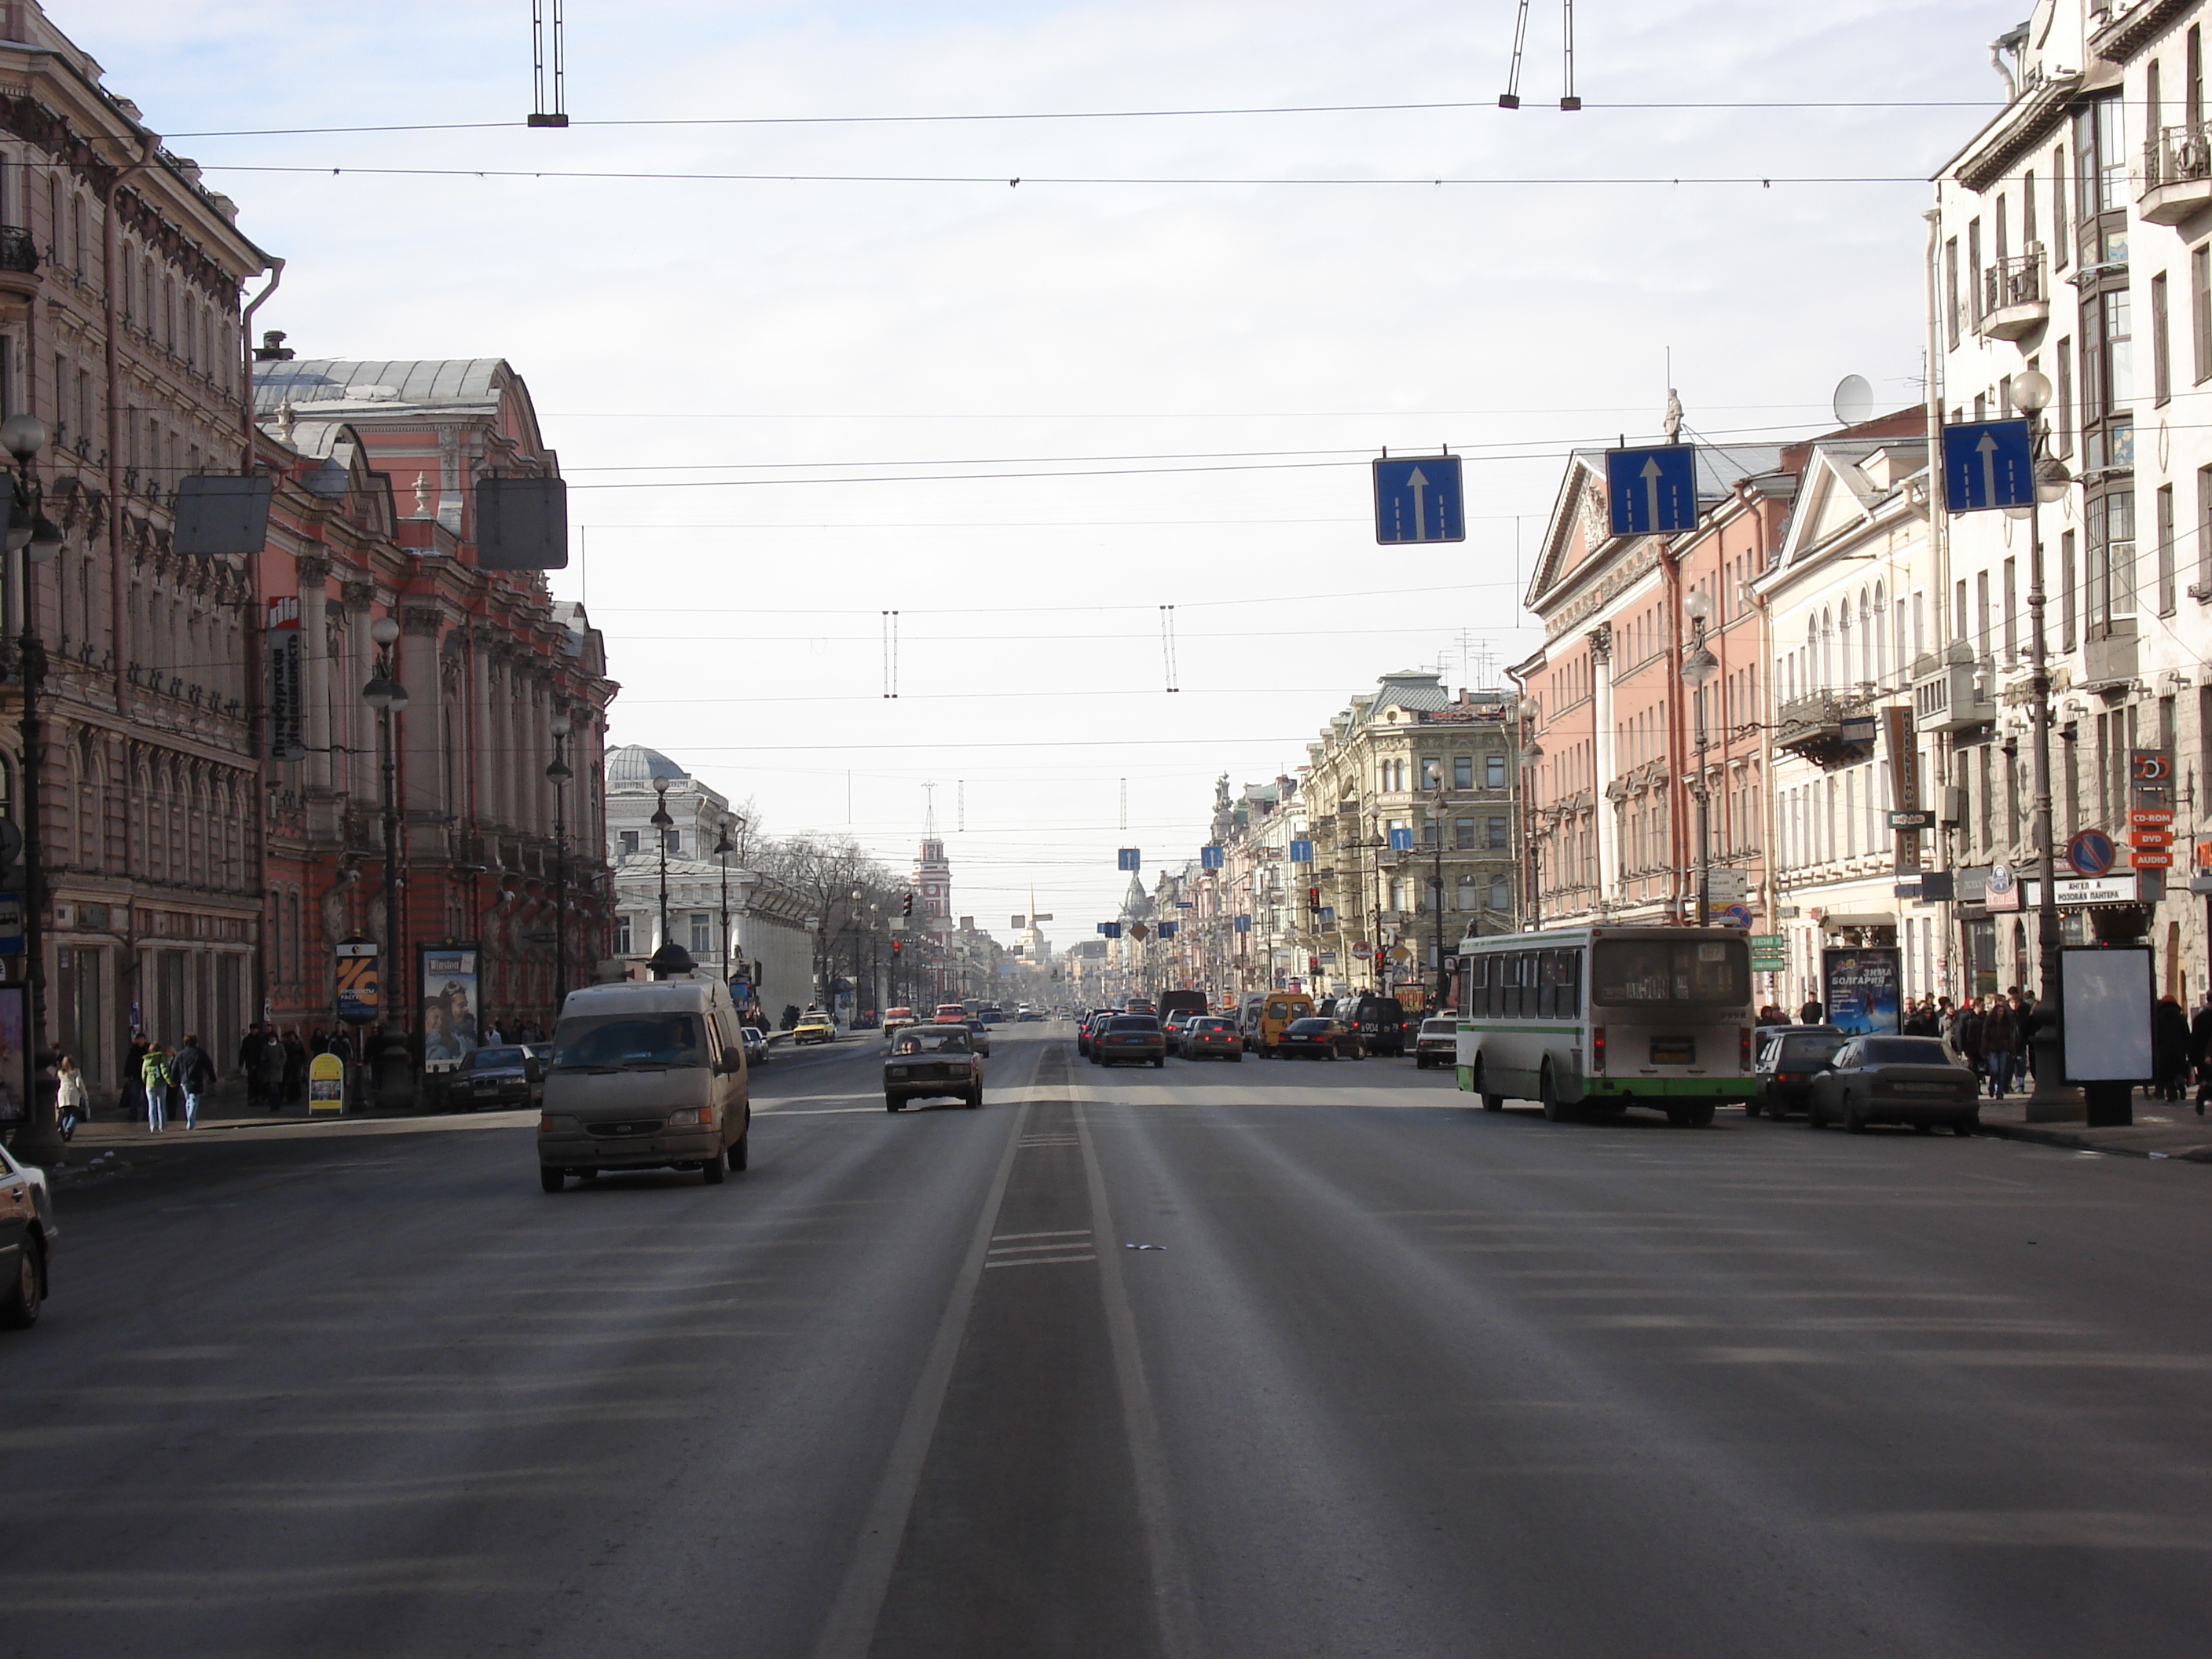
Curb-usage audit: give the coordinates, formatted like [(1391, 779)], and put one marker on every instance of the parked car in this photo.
[(1895, 1079), (932, 1060), (505, 1074), (814, 1028), (1209, 1035), (27, 1241), (1790, 1057), (1129, 1039), (646, 1074), (979, 1031), (1437, 1043), (755, 1042), (1319, 1039)]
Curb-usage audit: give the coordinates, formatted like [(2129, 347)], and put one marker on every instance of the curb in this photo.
[(2082, 1143)]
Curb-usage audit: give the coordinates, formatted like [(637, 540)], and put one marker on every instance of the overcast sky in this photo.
[(728, 368)]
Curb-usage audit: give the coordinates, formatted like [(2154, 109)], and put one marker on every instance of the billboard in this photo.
[(1860, 988), (361, 998), (451, 1011), (2106, 995)]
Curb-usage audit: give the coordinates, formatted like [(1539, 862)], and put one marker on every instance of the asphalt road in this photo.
[(1402, 1378)]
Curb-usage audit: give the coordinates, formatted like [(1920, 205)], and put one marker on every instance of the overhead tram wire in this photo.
[(1226, 112)]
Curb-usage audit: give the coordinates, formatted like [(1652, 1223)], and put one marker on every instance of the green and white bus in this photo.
[(1601, 1019)]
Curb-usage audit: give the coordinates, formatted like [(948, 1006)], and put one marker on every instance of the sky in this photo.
[(862, 371)]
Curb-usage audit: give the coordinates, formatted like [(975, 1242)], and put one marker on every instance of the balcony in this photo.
[(1948, 693), (2176, 175), (1826, 729), (2108, 659), (2015, 300)]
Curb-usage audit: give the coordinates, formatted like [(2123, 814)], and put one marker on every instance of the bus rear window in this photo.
[(1708, 970)]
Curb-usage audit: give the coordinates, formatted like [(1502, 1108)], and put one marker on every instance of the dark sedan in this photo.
[(1129, 1040), (27, 1241), (1319, 1039), (507, 1075), (1895, 1079), (1789, 1058)]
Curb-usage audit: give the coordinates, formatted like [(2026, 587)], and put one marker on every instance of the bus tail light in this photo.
[(1597, 1048), (1743, 1047)]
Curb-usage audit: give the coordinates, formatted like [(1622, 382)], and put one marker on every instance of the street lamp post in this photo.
[(722, 851), (385, 694), (1437, 817), (559, 773), (1698, 667), (2052, 1100), (1525, 711), (31, 533), (662, 824)]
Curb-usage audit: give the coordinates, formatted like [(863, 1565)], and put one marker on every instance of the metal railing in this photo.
[(2174, 154), (17, 251), (2014, 280)]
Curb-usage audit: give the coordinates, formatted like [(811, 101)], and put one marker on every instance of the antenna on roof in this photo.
[(539, 115)]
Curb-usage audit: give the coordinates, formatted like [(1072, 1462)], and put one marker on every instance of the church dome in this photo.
[(634, 763)]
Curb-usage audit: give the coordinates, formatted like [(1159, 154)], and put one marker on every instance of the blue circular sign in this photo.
[(2090, 853)]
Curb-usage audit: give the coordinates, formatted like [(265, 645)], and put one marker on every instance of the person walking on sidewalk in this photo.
[(133, 1092), (271, 1064), (71, 1099), (1999, 1042), (249, 1059), (295, 1069), (153, 1079), (194, 1075), (2169, 1047), (2200, 1050)]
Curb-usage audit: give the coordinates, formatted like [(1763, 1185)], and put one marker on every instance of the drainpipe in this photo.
[(245, 364)]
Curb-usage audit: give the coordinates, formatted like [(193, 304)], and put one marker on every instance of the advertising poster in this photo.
[(11, 1054), (2108, 993), (360, 1000), (450, 1008), (1861, 988)]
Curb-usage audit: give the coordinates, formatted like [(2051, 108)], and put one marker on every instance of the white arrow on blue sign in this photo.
[(1652, 492), (1419, 500), (1402, 841), (1129, 858), (1209, 858), (1988, 464), (1302, 852)]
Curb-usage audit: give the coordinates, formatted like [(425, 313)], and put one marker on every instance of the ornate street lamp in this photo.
[(670, 958), (1699, 667), (722, 851)]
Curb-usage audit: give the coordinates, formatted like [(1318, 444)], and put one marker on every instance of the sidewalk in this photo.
[(2162, 1128)]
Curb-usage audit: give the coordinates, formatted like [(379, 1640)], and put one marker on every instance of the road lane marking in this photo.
[(850, 1630), (1037, 1261), (1171, 1598), (1070, 1232)]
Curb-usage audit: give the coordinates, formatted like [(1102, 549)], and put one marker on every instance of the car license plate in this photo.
[(1674, 1051)]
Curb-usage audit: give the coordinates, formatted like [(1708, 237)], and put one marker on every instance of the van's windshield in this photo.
[(616, 1043)]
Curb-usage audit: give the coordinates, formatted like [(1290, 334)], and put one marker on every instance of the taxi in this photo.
[(814, 1028)]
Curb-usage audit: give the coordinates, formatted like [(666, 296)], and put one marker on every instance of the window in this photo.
[(1982, 613), (1501, 893), (2062, 400), (1493, 771), (2161, 367), (2200, 312), (1431, 775), (2204, 530), (1951, 294), (1974, 268), (1463, 834), (702, 935), (1499, 841), (629, 841), (2068, 609), (623, 946), (2011, 609), (2059, 237), (672, 840), (1462, 771), (2166, 571)]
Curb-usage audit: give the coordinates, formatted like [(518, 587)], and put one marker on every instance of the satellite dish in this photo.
[(1854, 400)]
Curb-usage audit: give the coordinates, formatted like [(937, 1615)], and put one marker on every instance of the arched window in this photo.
[(1843, 680)]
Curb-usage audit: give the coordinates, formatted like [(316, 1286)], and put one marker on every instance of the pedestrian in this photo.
[(193, 1074), (2024, 1023), (2169, 1047), (295, 1068), (1999, 1042), (491, 1036), (2200, 1050), (153, 1079), (272, 1069), (341, 1045), (1810, 1014), (133, 1092), (250, 1048), (1966, 1038), (70, 1098)]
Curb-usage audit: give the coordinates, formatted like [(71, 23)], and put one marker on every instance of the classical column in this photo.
[(314, 572), (421, 671)]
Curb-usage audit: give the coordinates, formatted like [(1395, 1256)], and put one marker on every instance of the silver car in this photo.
[(27, 1241)]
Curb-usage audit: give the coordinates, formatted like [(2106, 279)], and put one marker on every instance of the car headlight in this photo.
[(691, 1117), (897, 1071), (558, 1123)]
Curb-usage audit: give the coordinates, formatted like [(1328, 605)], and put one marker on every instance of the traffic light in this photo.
[(907, 909), (1313, 898), (895, 950)]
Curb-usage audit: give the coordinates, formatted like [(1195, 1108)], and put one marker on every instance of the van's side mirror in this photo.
[(533, 1068)]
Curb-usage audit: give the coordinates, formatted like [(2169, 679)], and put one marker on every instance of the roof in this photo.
[(418, 383), (634, 763)]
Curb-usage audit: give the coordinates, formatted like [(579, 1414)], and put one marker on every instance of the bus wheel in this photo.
[(1490, 1103), (1555, 1110)]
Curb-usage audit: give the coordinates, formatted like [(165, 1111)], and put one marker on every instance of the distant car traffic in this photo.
[(932, 1060), (1789, 1058), (896, 1019), (1437, 1043), (1896, 1079), (1380, 1020), (755, 1042), (1319, 1039), (27, 1241), (951, 1013), (1210, 1036), (979, 1031), (814, 1028), (506, 1074), (1129, 1039)]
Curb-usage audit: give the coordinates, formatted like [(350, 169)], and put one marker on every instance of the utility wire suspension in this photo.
[(890, 653), (1168, 646), (558, 115), (1511, 98)]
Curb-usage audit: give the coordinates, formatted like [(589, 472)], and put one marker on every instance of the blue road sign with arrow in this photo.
[(1243, 925), (1988, 464), (1302, 852), (1652, 492), (1128, 858), (1419, 500), (1402, 841), (1209, 858)]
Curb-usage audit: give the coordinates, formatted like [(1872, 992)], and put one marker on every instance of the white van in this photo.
[(646, 1074)]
